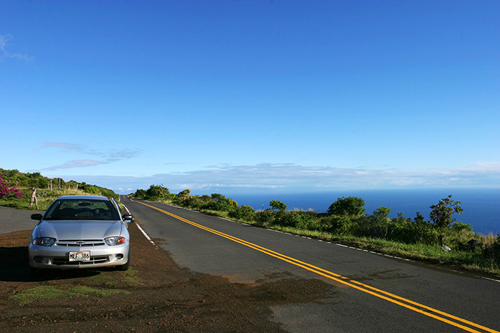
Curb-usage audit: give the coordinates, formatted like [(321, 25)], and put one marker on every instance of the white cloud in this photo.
[(4, 53), (62, 145), (74, 164), (293, 178), (493, 167), (106, 157)]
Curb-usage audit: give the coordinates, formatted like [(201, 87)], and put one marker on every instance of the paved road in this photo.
[(12, 219), (369, 292)]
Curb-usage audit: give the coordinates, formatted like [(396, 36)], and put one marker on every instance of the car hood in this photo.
[(78, 230)]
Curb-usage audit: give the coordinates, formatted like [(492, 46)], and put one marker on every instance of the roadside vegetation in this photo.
[(440, 240), (17, 188)]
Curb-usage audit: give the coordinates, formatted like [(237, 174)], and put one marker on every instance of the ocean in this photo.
[(481, 206)]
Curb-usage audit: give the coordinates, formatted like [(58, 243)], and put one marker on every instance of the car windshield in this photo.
[(81, 209)]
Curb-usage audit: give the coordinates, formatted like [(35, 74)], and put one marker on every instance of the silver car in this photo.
[(79, 231)]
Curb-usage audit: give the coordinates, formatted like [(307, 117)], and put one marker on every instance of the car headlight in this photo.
[(115, 240), (44, 241)]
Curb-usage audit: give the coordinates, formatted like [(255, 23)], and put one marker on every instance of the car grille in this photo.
[(93, 260), (81, 243)]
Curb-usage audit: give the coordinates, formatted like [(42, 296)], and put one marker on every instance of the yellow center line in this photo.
[(414, 306)]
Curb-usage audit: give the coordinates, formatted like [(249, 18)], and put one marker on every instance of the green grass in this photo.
[(44, 197), (129, 277), (101, 277)]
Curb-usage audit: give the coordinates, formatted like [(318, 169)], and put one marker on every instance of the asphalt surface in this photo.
[(370, 292), (12, 219)]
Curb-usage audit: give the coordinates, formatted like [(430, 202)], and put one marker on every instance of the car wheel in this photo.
[(126, 266)]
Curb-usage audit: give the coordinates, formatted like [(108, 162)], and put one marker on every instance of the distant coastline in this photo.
[(481, 206)]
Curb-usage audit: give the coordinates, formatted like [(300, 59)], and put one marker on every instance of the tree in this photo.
[(442, 214), (382, 212), (184, 194), (218, 197), (277, 205), (246, 213), (157, 192), (140, 194), (220, 203), (37, 180), (419, 218), (351, 206), (88, 188)]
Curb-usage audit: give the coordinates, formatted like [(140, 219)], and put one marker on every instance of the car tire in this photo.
[(126, 266)]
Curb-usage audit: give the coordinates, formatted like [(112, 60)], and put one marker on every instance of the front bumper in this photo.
[(58, 258)]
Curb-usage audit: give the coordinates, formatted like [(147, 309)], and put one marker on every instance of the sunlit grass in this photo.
[(44, 198)]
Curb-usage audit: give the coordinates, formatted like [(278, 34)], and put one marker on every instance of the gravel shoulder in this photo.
[(155, 295)]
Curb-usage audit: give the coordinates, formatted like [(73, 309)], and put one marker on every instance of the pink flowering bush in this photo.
[(6, 191)]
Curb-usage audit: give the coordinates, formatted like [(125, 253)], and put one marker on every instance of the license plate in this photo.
[(79, 256)]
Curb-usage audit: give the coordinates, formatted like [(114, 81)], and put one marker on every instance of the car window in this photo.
[(81, 209)]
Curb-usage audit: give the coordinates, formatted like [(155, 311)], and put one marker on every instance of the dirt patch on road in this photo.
[(154, 295)]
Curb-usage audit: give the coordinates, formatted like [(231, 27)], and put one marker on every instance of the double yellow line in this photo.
[(401, 301)]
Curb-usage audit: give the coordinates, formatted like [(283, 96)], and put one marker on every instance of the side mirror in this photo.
[(36, 217), (128, 218)]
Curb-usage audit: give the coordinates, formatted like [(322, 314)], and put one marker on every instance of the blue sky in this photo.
[(242, 96)]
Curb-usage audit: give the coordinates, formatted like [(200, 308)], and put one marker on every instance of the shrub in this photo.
[(140, 194), (245, 213), (157, 192), (89, 188), (351, 206), (265, 217), (219, 202), (7, 191), (339, 225), (277, 205), (461, 226)]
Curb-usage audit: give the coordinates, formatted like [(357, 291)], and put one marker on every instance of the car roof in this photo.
[(83, 197)]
